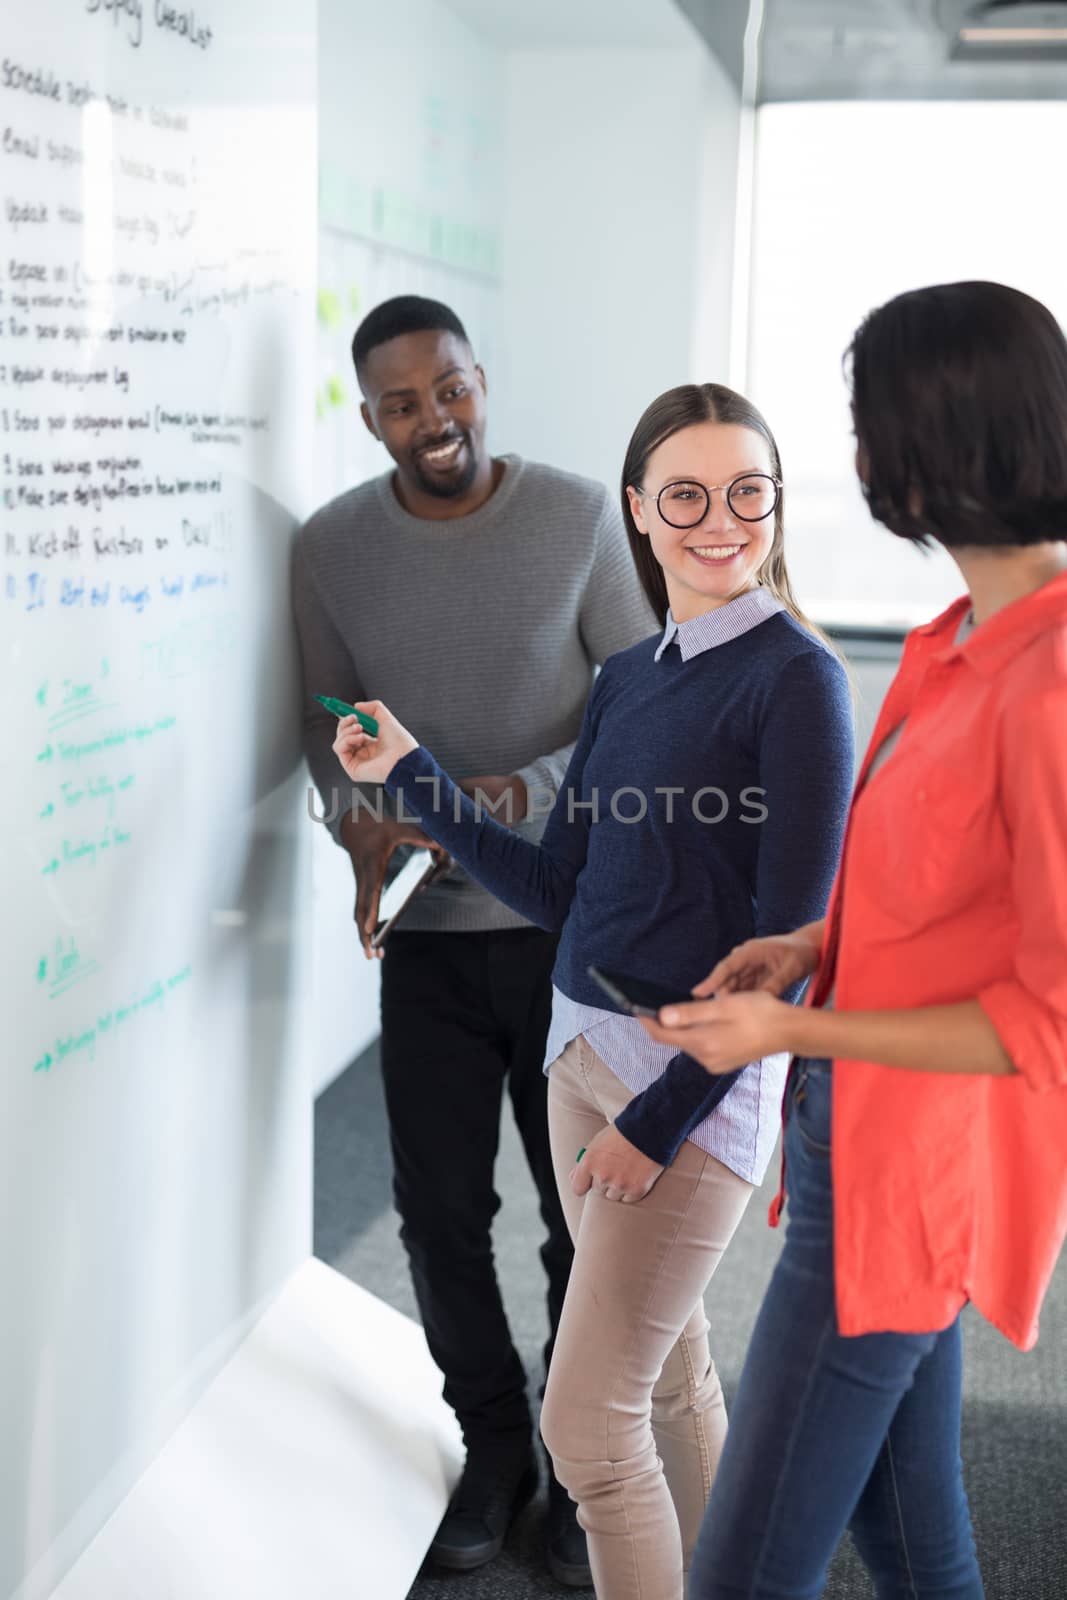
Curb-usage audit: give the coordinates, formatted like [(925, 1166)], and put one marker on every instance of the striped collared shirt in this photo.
[(742, 1130)]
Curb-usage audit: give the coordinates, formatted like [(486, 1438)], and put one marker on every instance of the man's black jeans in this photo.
[(463, 1016)]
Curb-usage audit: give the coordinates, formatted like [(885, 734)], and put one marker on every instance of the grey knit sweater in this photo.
[(480, 633)]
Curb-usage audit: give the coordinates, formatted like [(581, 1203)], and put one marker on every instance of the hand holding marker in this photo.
[(341, 708)]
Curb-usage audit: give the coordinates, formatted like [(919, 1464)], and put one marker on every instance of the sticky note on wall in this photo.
[(329, 308)]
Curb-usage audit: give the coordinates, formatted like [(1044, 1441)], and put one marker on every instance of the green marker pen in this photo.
[(341, 708), (581, 1153)]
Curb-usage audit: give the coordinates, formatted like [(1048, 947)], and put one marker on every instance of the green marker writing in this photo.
[(341, 708), (581, 1152)]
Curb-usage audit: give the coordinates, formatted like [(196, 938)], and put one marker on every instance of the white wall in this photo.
[(618, 243), (410, 163), (410, 159)]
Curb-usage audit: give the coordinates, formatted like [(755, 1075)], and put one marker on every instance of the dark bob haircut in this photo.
[(405, 313), (959, 401)]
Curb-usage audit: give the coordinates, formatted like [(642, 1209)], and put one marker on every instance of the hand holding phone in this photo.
[(636, 996)]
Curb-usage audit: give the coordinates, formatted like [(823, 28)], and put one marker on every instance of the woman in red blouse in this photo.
[(926, 1113)]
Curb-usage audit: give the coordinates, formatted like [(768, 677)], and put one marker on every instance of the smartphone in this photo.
[(421, 868), (636, 996)]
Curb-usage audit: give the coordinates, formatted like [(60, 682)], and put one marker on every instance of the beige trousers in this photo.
[(633, 1415)]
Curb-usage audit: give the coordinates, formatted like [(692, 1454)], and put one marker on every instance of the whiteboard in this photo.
[(156, 414)]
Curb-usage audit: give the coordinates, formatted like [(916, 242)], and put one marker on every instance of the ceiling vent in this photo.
[(1005, 30)]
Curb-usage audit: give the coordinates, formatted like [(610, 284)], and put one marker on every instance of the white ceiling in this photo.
[(885, 50), (809, 49)]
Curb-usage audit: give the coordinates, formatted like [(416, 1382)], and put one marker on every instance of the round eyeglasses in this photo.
[(750, 498)]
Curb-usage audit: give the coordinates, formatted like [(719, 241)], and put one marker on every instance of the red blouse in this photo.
[(953, 887)]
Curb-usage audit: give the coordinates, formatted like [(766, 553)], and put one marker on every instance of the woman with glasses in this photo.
[(704, 803), (927, 1109)]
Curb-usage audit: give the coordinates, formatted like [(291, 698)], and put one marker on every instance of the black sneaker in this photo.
[(483, 1506), (568, 1558)]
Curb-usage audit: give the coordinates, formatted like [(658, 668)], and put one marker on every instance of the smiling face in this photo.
[(424, 398), (712, 562)]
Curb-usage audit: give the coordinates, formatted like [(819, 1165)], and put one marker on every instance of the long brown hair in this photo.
[(685, 407)]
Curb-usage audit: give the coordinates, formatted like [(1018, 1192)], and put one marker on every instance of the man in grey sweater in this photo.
[(476, 596)]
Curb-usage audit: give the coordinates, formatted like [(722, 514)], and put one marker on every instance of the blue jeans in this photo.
[(829, 1433)]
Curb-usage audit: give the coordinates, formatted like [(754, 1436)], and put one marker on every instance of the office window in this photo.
[(853, 204)]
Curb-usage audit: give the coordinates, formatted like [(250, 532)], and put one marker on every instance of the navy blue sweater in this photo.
[(754, 738)]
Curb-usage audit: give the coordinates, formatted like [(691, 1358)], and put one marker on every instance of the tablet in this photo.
[(421, 868)]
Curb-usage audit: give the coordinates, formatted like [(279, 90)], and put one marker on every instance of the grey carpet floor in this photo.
[(1015, 1406)]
